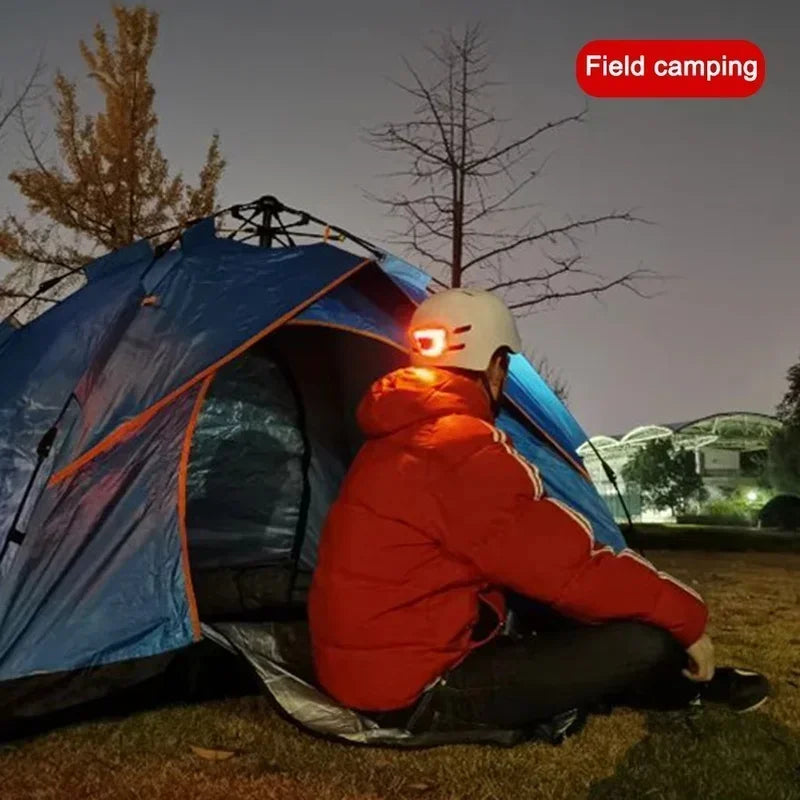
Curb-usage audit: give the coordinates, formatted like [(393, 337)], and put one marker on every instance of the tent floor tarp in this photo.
[(235, 659), (280, 653)]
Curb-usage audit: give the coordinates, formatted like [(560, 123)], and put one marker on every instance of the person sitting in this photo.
[(442, 533)]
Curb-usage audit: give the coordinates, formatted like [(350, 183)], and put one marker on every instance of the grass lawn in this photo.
[(709, 537), (755, 601)]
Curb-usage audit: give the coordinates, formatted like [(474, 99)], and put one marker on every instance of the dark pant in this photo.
[(552, 665)]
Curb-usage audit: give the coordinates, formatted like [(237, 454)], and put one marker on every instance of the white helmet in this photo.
[(463, 329)]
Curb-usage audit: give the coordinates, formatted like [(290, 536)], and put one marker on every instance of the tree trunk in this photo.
[(458, 235)]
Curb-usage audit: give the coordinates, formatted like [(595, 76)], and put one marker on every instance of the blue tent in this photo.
[(172, 420)]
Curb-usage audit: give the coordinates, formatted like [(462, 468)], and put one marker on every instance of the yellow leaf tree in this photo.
[(109, 184)]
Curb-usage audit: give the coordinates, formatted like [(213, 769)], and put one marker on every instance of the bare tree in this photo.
[(465, 201), (20, 101)]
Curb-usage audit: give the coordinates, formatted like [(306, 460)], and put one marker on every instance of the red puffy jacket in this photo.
[(437, 513)]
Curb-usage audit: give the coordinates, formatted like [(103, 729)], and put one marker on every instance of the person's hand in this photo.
[(701, 660)]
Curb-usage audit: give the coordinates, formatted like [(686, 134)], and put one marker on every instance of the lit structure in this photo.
[(727, 448)]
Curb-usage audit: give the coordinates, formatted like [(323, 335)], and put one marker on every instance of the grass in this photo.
[(710, 537), (714, 755)]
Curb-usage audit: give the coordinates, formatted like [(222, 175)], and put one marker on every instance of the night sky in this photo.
[(290, 86)]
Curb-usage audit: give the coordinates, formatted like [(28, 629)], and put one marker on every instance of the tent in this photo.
[(171, 436)]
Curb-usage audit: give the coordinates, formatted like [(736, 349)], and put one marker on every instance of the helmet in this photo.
[(463, 329)]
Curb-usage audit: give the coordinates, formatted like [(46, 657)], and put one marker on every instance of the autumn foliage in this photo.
[(110, 184)]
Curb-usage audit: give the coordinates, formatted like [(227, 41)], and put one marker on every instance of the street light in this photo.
[(752, 496)]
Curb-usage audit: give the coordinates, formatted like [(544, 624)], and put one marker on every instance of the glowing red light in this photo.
[(431, 342)]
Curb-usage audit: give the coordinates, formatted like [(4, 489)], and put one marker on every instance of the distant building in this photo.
[(727, 448)]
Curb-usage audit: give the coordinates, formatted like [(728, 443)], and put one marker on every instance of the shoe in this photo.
[(560, 727), (739, 689)]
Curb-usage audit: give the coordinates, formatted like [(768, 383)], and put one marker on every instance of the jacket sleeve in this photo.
[(498, 516)]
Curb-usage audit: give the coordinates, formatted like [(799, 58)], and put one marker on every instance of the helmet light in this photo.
[(430, 342)]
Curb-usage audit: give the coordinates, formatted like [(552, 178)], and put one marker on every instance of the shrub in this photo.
[(782, 512), (723, 511)]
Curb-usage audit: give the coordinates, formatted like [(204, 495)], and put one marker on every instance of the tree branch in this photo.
[(565, 265), (627, 281), (57, 183), (14, 295), (493, 154), (551, 233), (24, 95)]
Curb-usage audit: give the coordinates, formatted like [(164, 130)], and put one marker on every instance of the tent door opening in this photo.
[(273, 442)]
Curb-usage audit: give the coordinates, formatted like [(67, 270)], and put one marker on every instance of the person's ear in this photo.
[(496, 374)]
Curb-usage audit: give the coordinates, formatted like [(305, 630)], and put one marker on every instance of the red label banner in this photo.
[(670, 68)]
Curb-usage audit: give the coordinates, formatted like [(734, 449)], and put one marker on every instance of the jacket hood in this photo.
[(414, 395)]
